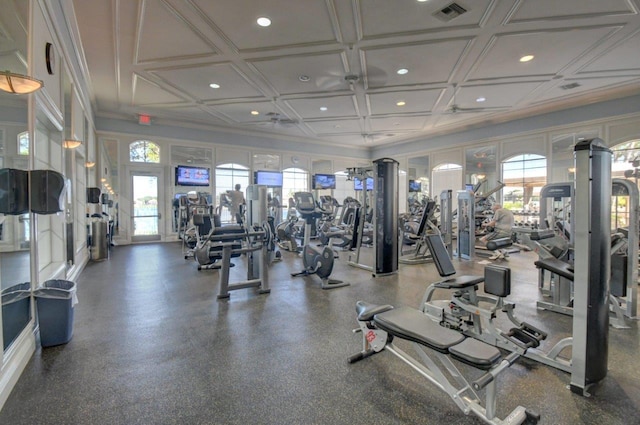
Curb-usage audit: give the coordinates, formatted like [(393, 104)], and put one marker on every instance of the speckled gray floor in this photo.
[(153, 345)]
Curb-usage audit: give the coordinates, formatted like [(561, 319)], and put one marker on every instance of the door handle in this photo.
[(159, 216)]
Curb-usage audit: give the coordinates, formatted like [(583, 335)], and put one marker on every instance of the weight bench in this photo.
[(474, 314), (434, 344)]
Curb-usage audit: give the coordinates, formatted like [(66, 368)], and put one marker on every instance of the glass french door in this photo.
[(147, 204)]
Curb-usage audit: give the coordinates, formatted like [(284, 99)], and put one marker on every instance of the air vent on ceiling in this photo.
[(449, 12), (570, 86)]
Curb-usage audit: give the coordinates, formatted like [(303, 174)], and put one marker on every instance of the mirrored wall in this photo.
[(418, 187), (562, 153), (15, 145), (481, 169)]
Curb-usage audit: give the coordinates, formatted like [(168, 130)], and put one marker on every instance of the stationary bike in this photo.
[(316, 260)]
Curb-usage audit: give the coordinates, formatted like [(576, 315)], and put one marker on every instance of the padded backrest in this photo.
[(427, 212), (497, 280), (619, 278), (203, 223), (440, 255)]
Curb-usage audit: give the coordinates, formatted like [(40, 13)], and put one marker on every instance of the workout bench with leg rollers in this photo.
[(434, 344)]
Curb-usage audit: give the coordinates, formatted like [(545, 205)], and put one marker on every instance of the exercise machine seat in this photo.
[(412, 325), (460, 282), (476, 353), (556, 266), (366, 310), (494, 244), (539, 235)]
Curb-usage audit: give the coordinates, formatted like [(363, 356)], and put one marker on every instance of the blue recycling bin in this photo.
[(55, 302), (16, 311)]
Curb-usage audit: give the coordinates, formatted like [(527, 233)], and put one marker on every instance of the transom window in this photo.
[(144, 151)]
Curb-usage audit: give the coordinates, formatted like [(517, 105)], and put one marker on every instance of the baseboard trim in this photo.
[(15, 360)]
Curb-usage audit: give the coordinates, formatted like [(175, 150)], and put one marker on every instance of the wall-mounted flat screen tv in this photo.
[(192, 176), (324, 181), (357, 183), (415, 186), (268, 178)]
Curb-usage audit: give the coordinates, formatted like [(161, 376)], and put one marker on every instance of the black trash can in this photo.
[(55, 301), (16, 311)]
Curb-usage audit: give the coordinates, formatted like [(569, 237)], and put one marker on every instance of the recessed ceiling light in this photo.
[(214, 86), (481, 99), (526, 58), (263, 21), (400, 103), (255, 113), (422, 1), (402, 71), (304, 78), (323, 108)]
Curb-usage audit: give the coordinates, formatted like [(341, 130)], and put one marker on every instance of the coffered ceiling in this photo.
[(327, 70)]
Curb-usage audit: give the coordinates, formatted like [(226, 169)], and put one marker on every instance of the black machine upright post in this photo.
[(592, 267), (386, 216)]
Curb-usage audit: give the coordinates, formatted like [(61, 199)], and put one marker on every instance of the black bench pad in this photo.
[(542, 234), (476, 353), (410, 324), (366, 310), (459, 282), (556, 266), (494, 244)]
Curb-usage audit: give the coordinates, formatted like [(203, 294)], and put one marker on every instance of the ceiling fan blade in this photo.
[(375, 77)]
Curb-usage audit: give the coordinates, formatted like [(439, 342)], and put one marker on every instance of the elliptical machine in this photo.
[(316, 260)]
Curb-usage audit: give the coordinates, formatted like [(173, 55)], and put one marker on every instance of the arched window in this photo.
[(523, 176), (23, 143), (227, 176), (144, 151)]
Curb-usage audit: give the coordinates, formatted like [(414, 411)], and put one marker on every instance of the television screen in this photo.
[(357, 183), (192, 176), (324, 181), (268, 178), (415, 186), (468, 186)]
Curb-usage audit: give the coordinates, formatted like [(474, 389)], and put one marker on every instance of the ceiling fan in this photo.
[(276, 118), (338, 79), (455, 108)]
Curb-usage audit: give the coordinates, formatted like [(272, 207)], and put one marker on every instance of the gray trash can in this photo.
[(55, 302), (16, 311)]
